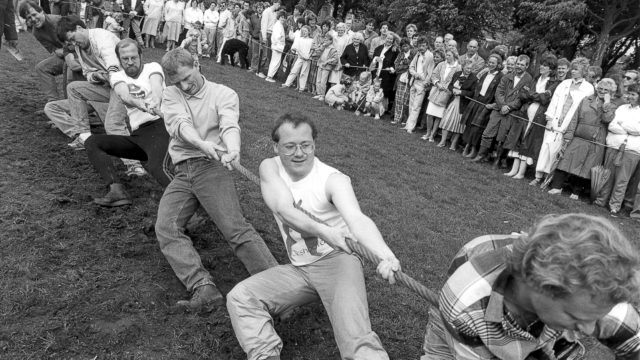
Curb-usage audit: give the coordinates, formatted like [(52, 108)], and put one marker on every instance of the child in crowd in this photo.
[(327, 62), (113, 23), (359, 94), (195, 41), (338, 94), (301, 47), (376, 103)]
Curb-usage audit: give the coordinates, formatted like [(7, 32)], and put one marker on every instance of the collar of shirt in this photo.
[(575, 82), (200, 93)]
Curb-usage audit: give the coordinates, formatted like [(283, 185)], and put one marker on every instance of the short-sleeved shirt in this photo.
[(472, 307), (139, 87)]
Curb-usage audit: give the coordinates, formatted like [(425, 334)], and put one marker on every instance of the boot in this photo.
[(521, 170), (116, 196), (514, 169), (473, 153), (466, 151), (204, 299), (482, 155), (496, 162)]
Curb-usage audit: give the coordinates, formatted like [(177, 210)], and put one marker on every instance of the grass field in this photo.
[(83, 282)]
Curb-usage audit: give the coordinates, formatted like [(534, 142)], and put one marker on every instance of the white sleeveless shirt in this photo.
[(310, 192)]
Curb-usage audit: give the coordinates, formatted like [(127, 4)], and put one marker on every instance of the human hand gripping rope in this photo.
[(356, 247)]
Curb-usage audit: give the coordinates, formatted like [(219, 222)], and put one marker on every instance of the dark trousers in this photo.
[(265, 56), (233, 46), (148, 143)]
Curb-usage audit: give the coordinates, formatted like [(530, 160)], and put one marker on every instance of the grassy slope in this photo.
[(80, 281)]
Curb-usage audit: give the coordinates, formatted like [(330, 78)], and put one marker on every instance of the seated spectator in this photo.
[(360, 91), (139, 86), (538, 295), (623, 151), (302, 48), (420, 70), (579, 153), (231, 48), (376, 103), (321, 268), (535, 100), (326, 62), (563, 105), (96, 52), (44, 30), (201, 118), (476, 115), (277, 46), (355, 57), (338, 94), (461, 86), (401, 70), (439, 95)]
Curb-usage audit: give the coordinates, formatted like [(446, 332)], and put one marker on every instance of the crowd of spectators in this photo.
[(560, 119)]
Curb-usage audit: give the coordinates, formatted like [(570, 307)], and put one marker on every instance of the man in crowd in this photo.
[(268, 20), (321, 265), (225, 22), (447, 37), (630, 77), (452, 45), (536, 295), (563, 69), (477, 62), (134, 12), (8, 23), (139, 86), (438, 44), (44, 30), (95, 49), (508, 101), (420, 69), (201, 118)]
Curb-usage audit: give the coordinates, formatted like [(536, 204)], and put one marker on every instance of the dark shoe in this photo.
[(116, 196), (503, 164), (205, 298), (480, 158), (472, 154)]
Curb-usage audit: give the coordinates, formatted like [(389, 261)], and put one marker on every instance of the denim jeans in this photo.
[(47, 71), (208, 183), (80, 93), (336, 279)]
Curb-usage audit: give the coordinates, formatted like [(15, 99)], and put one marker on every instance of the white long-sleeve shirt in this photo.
[(278, 37), (302, 46), (626, 120), (211, 18), (268, 21), (191, 15)]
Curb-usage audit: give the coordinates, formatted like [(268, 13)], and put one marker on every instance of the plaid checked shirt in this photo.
[(473, 311)]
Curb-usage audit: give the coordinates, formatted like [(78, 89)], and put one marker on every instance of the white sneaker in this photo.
[(270, 80), (555, 192), (261, 75), (77, 144), (136, 170), (574, 197)]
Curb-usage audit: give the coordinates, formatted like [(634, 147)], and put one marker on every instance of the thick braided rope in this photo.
[(356, 247)]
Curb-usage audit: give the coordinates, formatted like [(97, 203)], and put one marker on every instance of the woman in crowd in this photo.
[(173, 11), (153, 16), (302, 49), (563, 105), (192, 13), (589, 125), (380, 39), (328, 60), (355, 57), (537, 98), (476, 115), (368, 33), (278, 40), (623, 151), (401, 69), (211, 18), (316, 50), (462, 85), (340, 42), (439, 94), (384, 58)]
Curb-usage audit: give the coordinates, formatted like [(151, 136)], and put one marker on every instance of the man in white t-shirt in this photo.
[(139, 86), (321, 265)]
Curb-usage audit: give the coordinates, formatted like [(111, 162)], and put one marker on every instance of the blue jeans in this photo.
[(199, 181)]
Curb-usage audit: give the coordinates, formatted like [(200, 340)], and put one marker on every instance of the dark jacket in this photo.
[(254, 26), (467, 86), (507, 94), (478, 114), (126, 6), (353, 58)]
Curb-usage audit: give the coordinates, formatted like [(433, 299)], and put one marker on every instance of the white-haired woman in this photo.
[(589, 125), (340, 42), (561, 109), (355, 57)]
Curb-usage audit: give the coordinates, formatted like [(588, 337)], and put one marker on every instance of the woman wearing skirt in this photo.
[(461, 86), (173, 11), (153, 15), (439, 95)]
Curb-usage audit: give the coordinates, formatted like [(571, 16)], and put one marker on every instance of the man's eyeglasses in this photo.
[(627, 77), (290, 148)]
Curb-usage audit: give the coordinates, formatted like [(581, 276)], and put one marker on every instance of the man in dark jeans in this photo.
[(139, 86)]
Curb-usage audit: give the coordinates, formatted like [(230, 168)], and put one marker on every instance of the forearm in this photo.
[(366, 232), (231, 140)]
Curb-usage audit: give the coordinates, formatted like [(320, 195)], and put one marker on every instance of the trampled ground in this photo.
[(83, 282)]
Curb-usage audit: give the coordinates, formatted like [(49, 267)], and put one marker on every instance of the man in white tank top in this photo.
[(321, 265)]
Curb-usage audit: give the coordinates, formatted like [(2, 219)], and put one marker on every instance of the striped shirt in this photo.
[(474, 313)]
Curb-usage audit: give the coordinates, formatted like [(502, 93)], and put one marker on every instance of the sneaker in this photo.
[(284, 86), (534, 182), (555, 192), (614, 213), (270, 80), (116, 196), (136, 170), (77, 144), (377, 117), (574, 197), (205, 298), (424, 137), (261, 75)]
